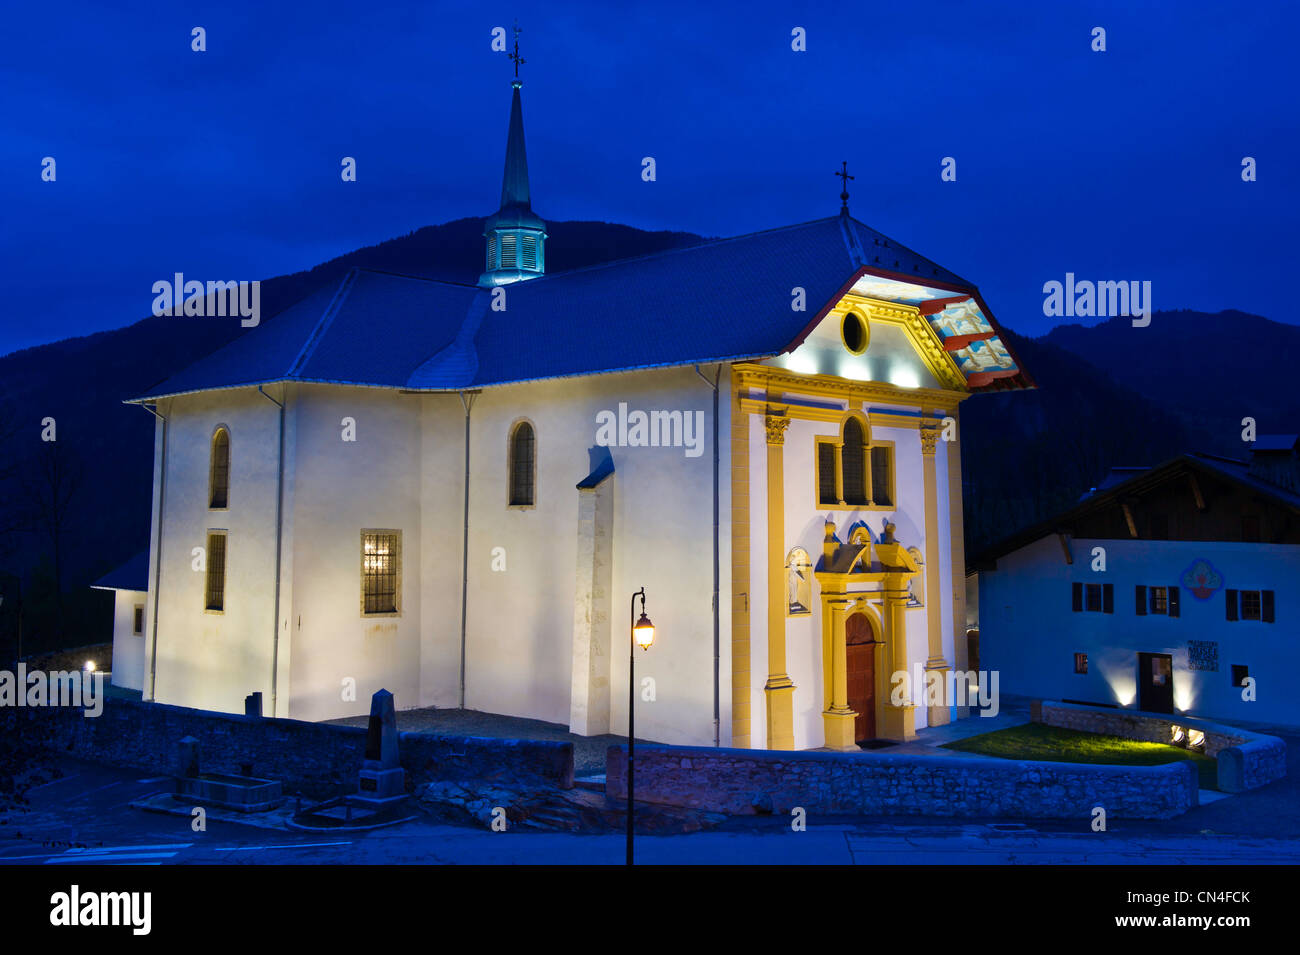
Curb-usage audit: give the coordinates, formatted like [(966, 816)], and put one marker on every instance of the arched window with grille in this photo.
[(219, 470), (523, 465), (853, 464)]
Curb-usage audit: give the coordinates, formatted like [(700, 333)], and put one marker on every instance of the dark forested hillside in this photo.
[(98, 471), (1108, 395)]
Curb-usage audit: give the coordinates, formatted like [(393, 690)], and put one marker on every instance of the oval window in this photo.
[(855, 333)]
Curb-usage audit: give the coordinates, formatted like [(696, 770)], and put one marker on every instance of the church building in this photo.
[(453, 491)]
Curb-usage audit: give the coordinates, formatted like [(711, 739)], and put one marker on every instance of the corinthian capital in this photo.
[(776, 425)]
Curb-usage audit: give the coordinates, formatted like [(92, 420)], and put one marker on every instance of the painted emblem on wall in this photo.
[(1202, 579)]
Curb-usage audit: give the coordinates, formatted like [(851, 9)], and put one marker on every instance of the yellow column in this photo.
[(900, 720), (937, 715), (779, 689), (957, 547), (741, 688), (837, 718)]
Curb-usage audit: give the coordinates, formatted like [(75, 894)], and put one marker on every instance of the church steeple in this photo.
[(516, 237)]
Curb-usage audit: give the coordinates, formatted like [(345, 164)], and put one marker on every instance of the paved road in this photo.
[(85, 818)]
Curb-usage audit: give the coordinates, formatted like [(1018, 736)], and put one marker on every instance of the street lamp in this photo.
[(642, 634)]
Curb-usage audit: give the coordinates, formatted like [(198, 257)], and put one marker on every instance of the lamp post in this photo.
[(641, 632)]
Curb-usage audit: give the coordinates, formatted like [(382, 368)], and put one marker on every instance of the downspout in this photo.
[(157, 570), (717, 645), (467, 400), (279, 527)]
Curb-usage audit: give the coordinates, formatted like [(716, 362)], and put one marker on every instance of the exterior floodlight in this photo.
[(1177, 735)]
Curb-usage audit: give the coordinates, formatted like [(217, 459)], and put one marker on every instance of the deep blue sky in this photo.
[(225, 164)]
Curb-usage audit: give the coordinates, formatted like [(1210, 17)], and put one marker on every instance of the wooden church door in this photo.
[(861, 671)]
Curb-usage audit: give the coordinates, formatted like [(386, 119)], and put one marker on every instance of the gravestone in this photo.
[(382, 778)]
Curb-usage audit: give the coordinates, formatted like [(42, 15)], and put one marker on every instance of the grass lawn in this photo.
[(1052, 744)]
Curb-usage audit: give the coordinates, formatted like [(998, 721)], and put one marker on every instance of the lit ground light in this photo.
[(1051, 744)]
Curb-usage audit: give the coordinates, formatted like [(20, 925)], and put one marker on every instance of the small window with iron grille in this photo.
[(138, 621), (215, 589), (381, 572)]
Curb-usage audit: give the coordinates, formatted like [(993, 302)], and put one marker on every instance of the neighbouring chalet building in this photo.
[(1196, 593), (452, 491)]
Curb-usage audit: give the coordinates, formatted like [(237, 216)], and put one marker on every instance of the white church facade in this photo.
[(452, 491)]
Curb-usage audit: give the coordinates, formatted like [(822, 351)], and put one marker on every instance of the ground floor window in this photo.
[(1081, 663), (381, 566)]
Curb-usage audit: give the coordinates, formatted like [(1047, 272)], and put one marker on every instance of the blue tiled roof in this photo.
[(133, 575), (728, 299)]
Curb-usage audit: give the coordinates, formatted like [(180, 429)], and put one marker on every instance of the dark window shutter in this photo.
[(880, 477), (1173, 602), (1141, 600), (1230, 603), (1266, 604), (826, 473), (1076, 598), (1108, 598)]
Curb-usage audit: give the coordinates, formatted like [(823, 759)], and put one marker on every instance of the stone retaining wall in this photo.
[(1246, 760), (74, 659), (317, 759), (742, 781)]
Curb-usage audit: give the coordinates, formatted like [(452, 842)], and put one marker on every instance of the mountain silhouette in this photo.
[(1108, 395)]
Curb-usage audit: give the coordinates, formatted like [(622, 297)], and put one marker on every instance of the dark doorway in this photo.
[(861, 670), (1156, 682), (973, 650)]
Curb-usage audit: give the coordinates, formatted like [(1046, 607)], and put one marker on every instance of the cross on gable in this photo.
[(844, 191)]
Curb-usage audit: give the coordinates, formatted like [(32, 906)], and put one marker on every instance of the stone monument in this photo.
[(382, 780)]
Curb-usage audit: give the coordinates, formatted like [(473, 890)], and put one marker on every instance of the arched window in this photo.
[(523, 466), (219, 473), (853, 464), (798, 582)]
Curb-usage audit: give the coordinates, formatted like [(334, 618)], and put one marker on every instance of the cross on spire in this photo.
[(519, 60), (844, 191)]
